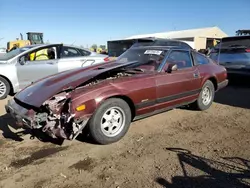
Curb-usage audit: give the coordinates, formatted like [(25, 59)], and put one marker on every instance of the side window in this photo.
[(69, 52), (214, 56), (42, 54), (181, 58), (35, 37), (200, 59), (84, 52)]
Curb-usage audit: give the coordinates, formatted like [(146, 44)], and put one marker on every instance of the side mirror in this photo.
[(22, 60), (174, 67), (171, 68)]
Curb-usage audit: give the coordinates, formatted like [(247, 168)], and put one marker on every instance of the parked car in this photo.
[(18, 69), (2, 51), (105, 98), (234, 54)]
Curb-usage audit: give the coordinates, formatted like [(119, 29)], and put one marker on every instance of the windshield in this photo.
[(13, 53), (145, 57)]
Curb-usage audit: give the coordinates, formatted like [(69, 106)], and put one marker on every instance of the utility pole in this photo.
[(1, 39)]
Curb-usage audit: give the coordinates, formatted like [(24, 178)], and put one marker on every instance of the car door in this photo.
[(30, 70), (71, 57), (179, 86)]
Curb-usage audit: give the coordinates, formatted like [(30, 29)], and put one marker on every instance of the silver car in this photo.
[(2, 50), (18, 70)]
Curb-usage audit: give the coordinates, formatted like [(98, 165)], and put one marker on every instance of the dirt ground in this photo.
[(179, 148)]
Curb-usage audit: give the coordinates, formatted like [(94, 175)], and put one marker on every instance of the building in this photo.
[(117, 47), (200, 38)]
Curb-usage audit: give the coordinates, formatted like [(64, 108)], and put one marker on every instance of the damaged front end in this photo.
[(51, 110), (54, 117)]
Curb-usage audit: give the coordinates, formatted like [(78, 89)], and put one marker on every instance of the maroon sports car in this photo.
[(105, 98)]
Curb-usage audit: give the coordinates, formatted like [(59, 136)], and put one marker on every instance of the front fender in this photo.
[(108, 94), (8, 71), (92, 102)]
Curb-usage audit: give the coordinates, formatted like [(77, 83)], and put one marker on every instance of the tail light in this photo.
[(248, 50), (225, 74), (106, 59)]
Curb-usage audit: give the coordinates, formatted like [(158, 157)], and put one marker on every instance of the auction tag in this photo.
[(154, 52)]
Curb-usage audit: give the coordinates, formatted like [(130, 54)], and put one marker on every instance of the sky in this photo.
[(87, 22)]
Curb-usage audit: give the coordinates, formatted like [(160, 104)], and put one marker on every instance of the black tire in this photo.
[(7, 86), (199, 104), (94, 124)]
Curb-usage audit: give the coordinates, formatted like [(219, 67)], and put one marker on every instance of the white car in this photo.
[(2, 50), (17, 70)]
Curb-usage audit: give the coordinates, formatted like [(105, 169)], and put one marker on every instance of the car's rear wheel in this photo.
[(111, 121), (206, 96), (4, 88)]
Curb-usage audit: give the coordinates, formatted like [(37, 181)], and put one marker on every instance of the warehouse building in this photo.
[(200, 38)]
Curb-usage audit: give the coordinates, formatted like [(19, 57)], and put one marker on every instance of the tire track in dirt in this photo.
[(216, 140)]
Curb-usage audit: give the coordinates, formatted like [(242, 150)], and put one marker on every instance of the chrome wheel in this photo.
[(206, 96), (3, 88), (113, 121)]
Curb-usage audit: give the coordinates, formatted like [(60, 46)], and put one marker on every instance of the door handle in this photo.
[(52, 62), (196, 75)]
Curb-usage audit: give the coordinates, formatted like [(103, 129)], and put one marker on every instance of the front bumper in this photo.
[(19, 114), (26, 119)]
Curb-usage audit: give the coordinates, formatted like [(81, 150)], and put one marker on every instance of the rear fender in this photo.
[(210, 77)]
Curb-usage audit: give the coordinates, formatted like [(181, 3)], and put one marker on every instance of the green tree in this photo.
[(103, 47), (94, 46)]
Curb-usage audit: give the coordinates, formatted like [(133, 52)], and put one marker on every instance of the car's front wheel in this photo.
[(111, 121), (4, 88), (206, 96)]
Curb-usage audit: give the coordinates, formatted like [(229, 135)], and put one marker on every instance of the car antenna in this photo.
[(73, 43)]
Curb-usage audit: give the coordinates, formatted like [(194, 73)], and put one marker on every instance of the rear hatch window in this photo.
[(232, 50)]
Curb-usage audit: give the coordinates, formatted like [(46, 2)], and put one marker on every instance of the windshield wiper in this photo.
[(138, 69), (133, 69), (230, 46), (237, 46)]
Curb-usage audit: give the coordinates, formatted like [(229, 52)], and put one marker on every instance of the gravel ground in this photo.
[(179, 148)]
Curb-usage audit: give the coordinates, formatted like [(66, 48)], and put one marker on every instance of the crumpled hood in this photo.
[(37, 93)]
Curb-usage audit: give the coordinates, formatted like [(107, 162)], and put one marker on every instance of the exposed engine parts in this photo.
[(118, 75), (110, 76), (55, 118)]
